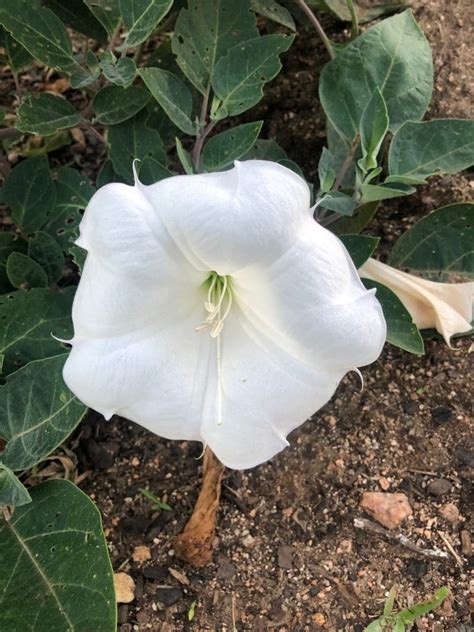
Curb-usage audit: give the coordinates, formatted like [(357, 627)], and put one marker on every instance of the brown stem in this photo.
[(203, 132), (194, 545), (315, 22), (346, 164)]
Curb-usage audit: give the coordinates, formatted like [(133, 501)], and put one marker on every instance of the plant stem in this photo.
[(194, 545), (346, 164), (315, 22), (204, 130), (355, 23)]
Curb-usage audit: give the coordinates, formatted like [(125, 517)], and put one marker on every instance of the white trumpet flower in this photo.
[(214, 308)]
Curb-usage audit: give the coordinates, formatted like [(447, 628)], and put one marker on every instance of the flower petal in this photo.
[(108, 305), (266, 393), (151, 377), (448, 307), (312, 301), (122, 228), (228, 220)]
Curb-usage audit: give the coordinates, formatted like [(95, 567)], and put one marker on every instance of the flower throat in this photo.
[(217, 305)]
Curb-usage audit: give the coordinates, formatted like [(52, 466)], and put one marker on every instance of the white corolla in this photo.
[(214, 308)]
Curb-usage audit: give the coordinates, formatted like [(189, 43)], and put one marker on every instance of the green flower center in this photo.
[(217, 304)]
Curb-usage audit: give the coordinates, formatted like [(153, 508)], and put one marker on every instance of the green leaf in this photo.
[(374, 192), (439, 246), (338, 202), (360, 247), (274, 11), (45, 114), (134, 140), (140, 18), (373, 127), (73, 192), (9, 242), (17, 55), (38, 412), (74, 13), (221, 150), (114, 105), (403, 180), (56, 572), (29, 191), (326, 172), (265, 150), (389, 602), (40, 31), (173, 95), (355, 223), (12, 492), (107, 174), (78, 255), (408, 615), (184, 157), (401, 331), (292, 165), (240, 75), (423, 149), (33, 316), (46, 251), (393, 56), (24, 272), (121, 72), (107, 12), (364, 13), (205, 31)]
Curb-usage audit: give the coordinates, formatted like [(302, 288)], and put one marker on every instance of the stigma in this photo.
[(217, 304)]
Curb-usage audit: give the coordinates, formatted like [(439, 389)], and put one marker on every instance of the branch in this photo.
[(315, 22), (204, 131), (346, 164)]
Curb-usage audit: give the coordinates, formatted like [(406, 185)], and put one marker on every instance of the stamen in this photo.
[(217, 311)]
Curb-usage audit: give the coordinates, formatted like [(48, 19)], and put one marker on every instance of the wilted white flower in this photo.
[(446, 307), (214, 308)]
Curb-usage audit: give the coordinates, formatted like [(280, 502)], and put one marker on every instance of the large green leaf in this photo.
[(274, 11), (37, 412), (360, 247), (40, 31), (393, 56), (12, 492), (423, 149), (114, 105), (56, 573), (73, 192), (29, 191), (401, 331), (46, 251), (107, 12), (17, 55), (9, 242), (440, 246), (173, 95), (74, 13), (373, 127), (133, 139), (221, 150), (265, 149), (205, 31), (24, 272), (240, 75), (141, 17), (32, 317), (46, 114)]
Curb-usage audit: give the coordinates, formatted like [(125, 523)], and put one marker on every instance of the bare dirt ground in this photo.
[(287, 554)]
